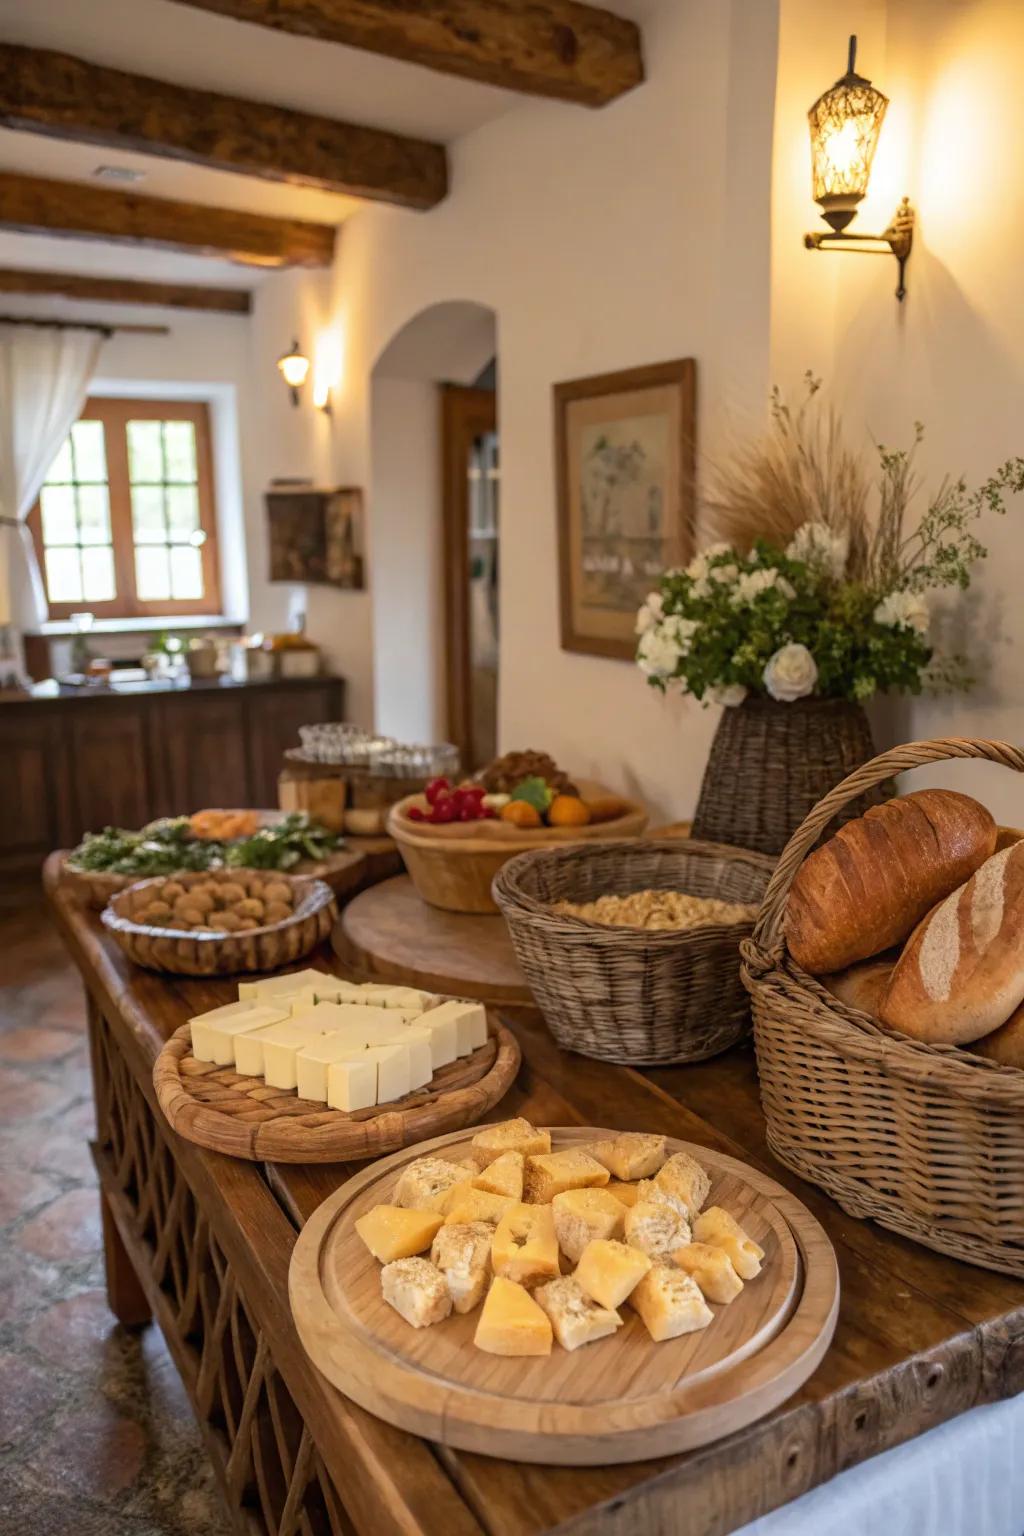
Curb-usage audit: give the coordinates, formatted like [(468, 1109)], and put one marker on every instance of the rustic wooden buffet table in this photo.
[(202, 1243)]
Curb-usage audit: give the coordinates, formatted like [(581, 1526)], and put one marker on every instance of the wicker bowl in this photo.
[(926, 1139), (454, 866), (222, 954), (633, 995)]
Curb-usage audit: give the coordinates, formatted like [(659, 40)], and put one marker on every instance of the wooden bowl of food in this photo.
[(218, 922), (453, 865)]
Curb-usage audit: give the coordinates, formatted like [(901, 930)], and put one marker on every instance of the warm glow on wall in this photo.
[(327, 366), (293, 367)]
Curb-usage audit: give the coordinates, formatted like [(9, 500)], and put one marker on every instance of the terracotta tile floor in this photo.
[(96, 1434)]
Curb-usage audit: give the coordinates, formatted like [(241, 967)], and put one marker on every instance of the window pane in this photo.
[(152, 575), (94, 514), (186, 572), (180, 450), (60, 525), (182, 512), (90, 451), (63, 576), (98, 574), (60, 469), (145, 455), (148, 514)]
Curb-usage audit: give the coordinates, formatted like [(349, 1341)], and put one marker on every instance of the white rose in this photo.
[(791, 673), (906, 610), (724, 573), (728, 694), (817, 545), (753, 583), (701, 588), (680, 631), (661, 648), (649, 613), (698, 567)]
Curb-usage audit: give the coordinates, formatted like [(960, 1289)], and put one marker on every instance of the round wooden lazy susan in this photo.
[(621, 1399), (218, 1108)]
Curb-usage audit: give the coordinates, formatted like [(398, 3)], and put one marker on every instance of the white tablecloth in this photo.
[(965, 1478)]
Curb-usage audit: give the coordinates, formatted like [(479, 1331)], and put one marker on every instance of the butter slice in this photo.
[(394, 1077), (470, 1022), (279, 1045), (213, 1033), (352, 1082), (264, 987)]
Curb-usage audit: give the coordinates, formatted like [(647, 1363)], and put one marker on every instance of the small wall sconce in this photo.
[(845, 124), (293, 366)]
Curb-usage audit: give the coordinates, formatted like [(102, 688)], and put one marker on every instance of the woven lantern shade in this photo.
[(845, 123)]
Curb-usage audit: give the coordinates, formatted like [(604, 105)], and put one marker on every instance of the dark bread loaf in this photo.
[(868, 886), (961, 974)]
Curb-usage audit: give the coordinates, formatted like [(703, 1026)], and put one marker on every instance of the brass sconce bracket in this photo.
[(897, 240)]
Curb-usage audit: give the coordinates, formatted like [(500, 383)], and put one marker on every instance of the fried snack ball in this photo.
[(189, 915), (172, 891), (157, 912), (278, 890), (201, 899), (225, 922), (276, 912), (229, 892), (246, 924), (250, 907)]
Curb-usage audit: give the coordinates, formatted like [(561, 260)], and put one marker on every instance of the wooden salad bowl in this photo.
[(453, 866), (187, 952)]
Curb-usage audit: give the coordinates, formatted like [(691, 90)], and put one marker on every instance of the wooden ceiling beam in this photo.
[(126, 290), (36, 206), (554, 48), (68, 98)]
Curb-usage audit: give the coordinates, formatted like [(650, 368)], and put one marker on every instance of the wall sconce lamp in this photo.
[(293, 367), (845, 123)]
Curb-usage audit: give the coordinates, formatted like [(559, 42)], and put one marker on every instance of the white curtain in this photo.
[(44, 379)]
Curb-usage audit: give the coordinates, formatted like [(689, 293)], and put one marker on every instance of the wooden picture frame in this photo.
[(624, 467), (316, 535)]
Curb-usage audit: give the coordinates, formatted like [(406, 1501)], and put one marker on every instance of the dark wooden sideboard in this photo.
[(76, 762)]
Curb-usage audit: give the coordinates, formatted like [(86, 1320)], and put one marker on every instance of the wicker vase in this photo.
[(771, 763)]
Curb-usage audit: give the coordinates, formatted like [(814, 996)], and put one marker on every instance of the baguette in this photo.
[(863, 985), (868, 886), (1005, 1044), (962, 973)]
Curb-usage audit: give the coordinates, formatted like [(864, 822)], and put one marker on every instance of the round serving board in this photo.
[(620, 1399), (218, 1108), (389, 931)]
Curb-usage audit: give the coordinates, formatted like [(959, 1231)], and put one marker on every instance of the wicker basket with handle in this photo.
[(926, 1139), (632, 995)]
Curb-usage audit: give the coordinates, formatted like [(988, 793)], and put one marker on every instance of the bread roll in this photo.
[(962, 972), (1005, 1044), (867, 887), (863, 985)]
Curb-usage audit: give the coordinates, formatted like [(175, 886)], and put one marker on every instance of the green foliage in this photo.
[(168, 845), (535, 791)]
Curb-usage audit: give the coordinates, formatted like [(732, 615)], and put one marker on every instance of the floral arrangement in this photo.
[(832, 596)]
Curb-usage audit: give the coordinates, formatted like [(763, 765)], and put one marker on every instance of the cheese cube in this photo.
[(424, 1184), (475, 1205), (504, 1176), (511, 1322), (510, 1136), (393, 1073), (525, 1246), (684, 1177), (583, 1214), (213, 1033), (717, 1228), (384, 995), (417, 1291), (552, 1172), (608, 1270), (250, 1049), (314, 1060), (575, 1318), (462, 1252), (297, 1002), (627, 1194), (351, 1082), (353, 1018), (670, 1303), (631, 1155), (712, 1269), (443, 1036), (391, 1233), (657, 1229), (262, 988), (417, 1042), (470, 1020), (281, 1044)]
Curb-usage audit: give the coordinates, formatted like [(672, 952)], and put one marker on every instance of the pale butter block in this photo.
[(394, 1073), (213, 1033), (352, 1082), (281, 1044), (263, 987), (470, 1022)]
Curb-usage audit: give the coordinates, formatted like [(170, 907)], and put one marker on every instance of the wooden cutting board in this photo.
[(620, 1399)]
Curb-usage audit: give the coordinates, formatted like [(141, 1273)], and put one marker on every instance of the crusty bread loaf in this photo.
[(961, 974), (862, 985), (1005, 1044), (865, 889)]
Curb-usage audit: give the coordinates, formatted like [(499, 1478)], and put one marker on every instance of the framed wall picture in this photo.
[(624, 465), (316, 535)]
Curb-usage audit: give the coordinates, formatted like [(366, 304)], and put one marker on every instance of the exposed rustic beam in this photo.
[(36, 206), (68, 98), (126, 290), (547, 47)]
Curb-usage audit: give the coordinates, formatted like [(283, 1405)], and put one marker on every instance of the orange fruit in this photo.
[(521, 814), (568, 811)]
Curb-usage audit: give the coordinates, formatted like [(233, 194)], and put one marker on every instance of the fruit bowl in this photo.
[(453, 864)]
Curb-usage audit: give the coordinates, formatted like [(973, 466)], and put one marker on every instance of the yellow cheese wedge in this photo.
[(510, 1136), (511, 1322), (721, 1230), (630, 1155), (550, 1173), (504, 1176), (670, 1303), (475, 1205), (583, 1214), (608, 1271), (525, 1246), (712, 1269), (391, 1232), (629, 1194)]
